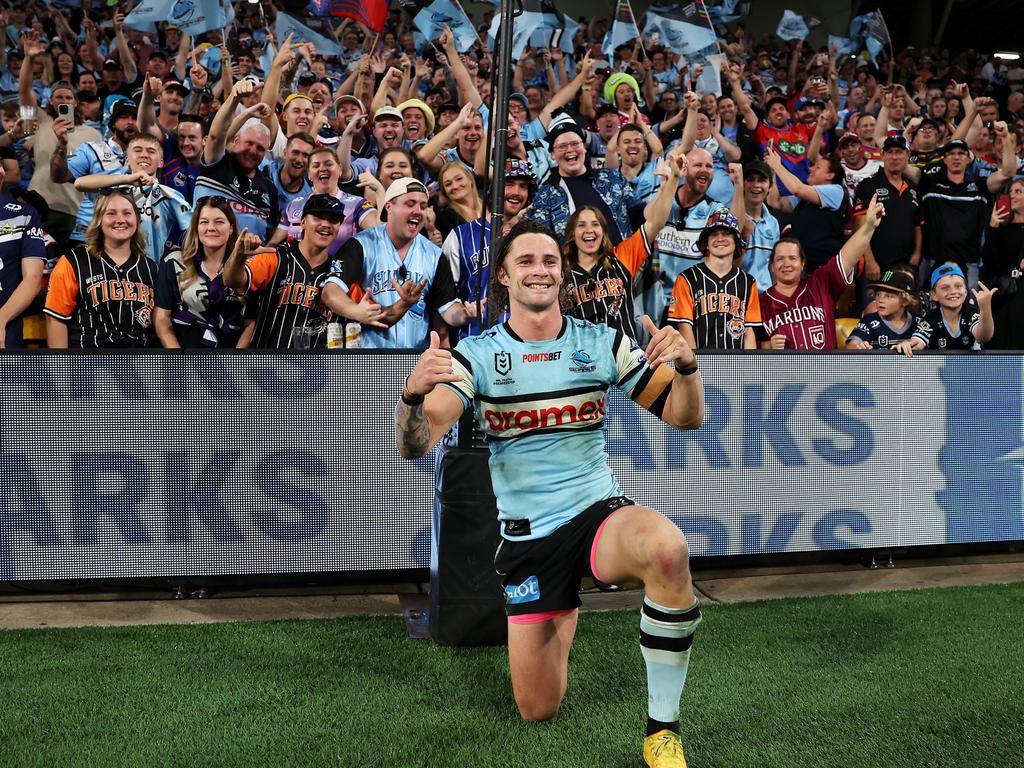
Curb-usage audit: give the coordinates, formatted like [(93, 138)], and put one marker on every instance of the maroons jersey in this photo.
[(104, 305), (290, 313), (720, 309), (807, 318), (542, 406)]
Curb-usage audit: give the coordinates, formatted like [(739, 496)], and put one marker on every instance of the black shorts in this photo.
[(541, 575)]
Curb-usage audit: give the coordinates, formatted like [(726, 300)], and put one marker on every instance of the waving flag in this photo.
[(876, 34), (369, 13), (843, 46), (540, 25), (287, 25), (430, 16), (190, 16), (623, 29), (728, 11), (793, 26), (686, 29)]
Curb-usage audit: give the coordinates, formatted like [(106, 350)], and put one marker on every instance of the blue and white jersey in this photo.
[(166, 216), (542, 406), (93, 157), (468, 250), (283, 195), (369, 260), (759, 247)]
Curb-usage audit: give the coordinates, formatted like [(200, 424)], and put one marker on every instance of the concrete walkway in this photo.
[(18, 611)]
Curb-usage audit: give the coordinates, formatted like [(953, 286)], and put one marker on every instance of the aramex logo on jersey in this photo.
[(559, 415)]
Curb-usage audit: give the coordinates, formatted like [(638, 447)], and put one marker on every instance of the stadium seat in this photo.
[(844, 326)]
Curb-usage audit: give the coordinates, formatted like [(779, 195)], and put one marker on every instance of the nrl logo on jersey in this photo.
[(502, 363)]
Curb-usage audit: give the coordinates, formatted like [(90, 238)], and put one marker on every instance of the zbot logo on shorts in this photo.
[(526, 592)]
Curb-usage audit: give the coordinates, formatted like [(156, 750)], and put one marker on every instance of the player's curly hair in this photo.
[(497, 297), (94, 239)]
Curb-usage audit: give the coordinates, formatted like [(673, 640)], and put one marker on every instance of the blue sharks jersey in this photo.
[(93, 157), (542, 406), (369, 260)]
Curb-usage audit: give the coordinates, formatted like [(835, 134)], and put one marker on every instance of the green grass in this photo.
[(926, 678)]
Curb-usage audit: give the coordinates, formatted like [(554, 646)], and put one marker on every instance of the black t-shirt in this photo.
[(893, 241), (937, 335), (954, 216), (880, 334)]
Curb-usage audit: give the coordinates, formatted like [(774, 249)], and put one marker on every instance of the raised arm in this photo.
[(272, 87), (882, 121), (131, 71), (429, 153), (345, 147), (805, 192), (691, 103), (151, 88), (860, 240), (1008, 162), (661, 207), (33, 50), (567, 92), (217, 140), (740, 97), (468, 94), (684, 408)]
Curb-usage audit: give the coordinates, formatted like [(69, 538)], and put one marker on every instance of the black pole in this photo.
[(498, 138)]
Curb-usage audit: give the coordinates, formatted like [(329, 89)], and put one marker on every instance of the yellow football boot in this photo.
[(664, 749)]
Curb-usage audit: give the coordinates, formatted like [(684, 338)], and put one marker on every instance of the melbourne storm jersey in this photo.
[(542, 406)]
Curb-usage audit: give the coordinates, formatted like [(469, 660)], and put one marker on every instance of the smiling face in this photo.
[(517, 193), (299, 115), (700, 170), (470, 136), (320, 230), (388, 131), (393, 165), (456, 183), (323, 173), (415, 123), (625, 97), (950, 292), (145, 156), (588, 234), (778, 115), (190, 140), (320, 94), (632, 147), (755, 188), (786, 265), (119, 221), (406, 215), (569, 153), (296, 157), (213, 228), (851, 154), (532, 272), (721, 244), (250, 148)]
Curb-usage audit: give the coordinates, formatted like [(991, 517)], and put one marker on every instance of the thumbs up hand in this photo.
[(433, 368), (667, 346)]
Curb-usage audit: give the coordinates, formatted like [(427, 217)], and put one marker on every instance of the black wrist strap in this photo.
[(688, 371), (410, 399)]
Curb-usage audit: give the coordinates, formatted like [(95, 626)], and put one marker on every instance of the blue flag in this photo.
[(192, 17), (876, 34), (686, 29), (792, 26), (430, 18), (843, 46), (728, 11), (287, 25), (623, 29), (540, 25)]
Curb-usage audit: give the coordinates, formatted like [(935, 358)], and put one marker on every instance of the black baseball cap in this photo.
[(758, 167), (307, 78), (896, 282), (894, 142), (325, 206), (776, 99), (956, 144), (606, 109), (122, 108), (173, 84), (928, 121)]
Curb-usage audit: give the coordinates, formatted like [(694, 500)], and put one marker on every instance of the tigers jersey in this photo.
[(605, 294), (542, 406), (720, 309), (104, 305), (289, 307)]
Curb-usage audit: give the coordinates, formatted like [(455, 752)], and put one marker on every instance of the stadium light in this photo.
[(1006, 55)]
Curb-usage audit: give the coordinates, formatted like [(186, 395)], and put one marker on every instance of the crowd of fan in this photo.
[(160, 190)]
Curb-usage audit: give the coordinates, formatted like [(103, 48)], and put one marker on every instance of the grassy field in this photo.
[(926, 678)]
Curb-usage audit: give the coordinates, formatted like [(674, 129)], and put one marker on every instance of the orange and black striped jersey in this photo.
[(720, 309), (103, 304), (604, 295)]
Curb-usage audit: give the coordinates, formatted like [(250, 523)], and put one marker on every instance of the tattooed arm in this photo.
[(427, 411)]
